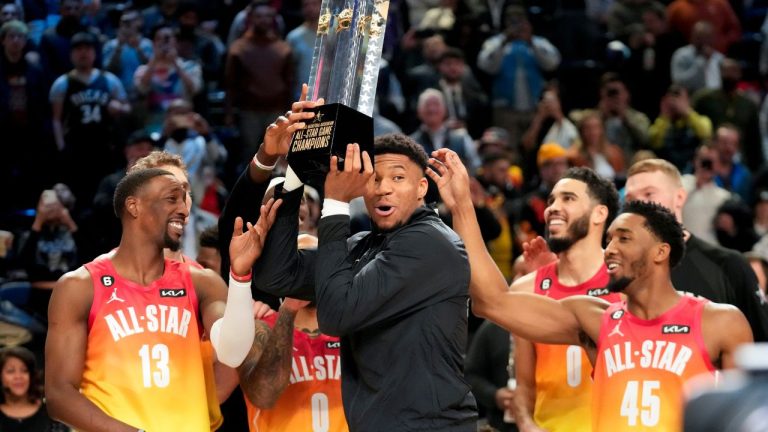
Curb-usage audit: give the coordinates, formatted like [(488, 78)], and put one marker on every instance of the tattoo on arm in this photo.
[(266, 371)]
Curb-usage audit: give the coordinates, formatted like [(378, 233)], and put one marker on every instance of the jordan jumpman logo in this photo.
[(616, 330), (114, 297)]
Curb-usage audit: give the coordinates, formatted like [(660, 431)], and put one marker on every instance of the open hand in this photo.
[(261, 310), (536, 254), (351, 182), (245, 247), (451, 177), (277, 139)]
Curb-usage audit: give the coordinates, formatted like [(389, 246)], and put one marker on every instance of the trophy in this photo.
[(345, 69)]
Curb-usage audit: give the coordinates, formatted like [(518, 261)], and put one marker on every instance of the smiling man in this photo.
[(644, 349), (397, 296)]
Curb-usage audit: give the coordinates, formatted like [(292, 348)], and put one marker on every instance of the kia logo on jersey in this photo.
[(333, 345), (546, 283), (173, 292), (107, 280), (675, 329), (598, 292)]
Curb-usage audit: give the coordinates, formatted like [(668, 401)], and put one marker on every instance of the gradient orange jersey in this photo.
[(642, 365), (143, 361), (312, 400), (564, 372)]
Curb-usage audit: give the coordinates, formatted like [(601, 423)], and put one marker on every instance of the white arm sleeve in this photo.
[(232, 334)]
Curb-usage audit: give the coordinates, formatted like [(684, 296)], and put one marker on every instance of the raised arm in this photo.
[(519, 313), (65, 348)]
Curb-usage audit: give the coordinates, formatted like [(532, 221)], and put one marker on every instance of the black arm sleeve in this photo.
[(407, 274), (745, 295), (283, 270)]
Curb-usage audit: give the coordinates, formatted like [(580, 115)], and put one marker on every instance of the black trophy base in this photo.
[(334, 126)]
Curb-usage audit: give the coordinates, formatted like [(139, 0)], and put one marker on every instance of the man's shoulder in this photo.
[(716, 254)]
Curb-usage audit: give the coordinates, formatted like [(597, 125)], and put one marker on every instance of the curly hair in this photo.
[(35, 392), (402, 145), (662, 224), (600, 189)]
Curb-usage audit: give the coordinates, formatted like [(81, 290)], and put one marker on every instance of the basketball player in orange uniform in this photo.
[(554, 389), (644, 349), (123, 348)]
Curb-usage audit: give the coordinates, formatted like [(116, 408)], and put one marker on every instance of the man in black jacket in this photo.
[(401, 316), (718, 274)]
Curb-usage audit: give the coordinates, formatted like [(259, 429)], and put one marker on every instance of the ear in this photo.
[(132, 206), (662, 253), (680, 197), (421, 191), (599, 214)]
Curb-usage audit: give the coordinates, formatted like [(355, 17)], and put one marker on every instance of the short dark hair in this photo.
[(662, 224), (210, 237), (139, 136), (26, 356), (160, 26), (600, 189), (403, 145), (131, 183), (452, 53), (609, 78)]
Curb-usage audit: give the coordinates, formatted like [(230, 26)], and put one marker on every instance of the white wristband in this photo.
[(332, 207), (261, 165), (292, 181)]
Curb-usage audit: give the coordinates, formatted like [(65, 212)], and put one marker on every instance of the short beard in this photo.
[(619, 285), (173, 245), (577, 231)]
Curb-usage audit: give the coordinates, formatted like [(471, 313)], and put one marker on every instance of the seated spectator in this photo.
[(165, 77), (55, 44), (731, 173), (549, 125), (593, 150), (678, 130), (425, 73), (626, 15), (51, 247), (126, 52), (434, 134), (726, 29), (704, 195), (696, 66), (624, 126), (731, 105), (466, 102), (517, 61), (22, 405)]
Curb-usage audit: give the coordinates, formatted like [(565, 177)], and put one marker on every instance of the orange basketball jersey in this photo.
[(312, 400), (563, 372), (143, 361), (641, 367)]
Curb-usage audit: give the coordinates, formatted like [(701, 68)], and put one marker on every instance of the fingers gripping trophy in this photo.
[(344, 72)]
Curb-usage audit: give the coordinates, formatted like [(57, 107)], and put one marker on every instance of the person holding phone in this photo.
[(127, 51), (704, 196)]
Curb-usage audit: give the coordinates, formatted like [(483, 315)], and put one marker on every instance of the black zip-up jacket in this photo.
[(398, 300)]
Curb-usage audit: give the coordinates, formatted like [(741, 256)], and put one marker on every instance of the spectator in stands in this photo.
[(696, 66), (594, 150), (55, 44), (465, 100), (27, 152), (126, 52), (678, 130), (259, 76), (22, 405), (164, 12), (704, 195), (624, 126), (730, 105), (425, 74), (650, 63), (194, 45), (684, 14), (731, 173), (165, 77), (10, 12), (302, 42), (734, 226), (624, 16), (188, 135), (433, 133), (760, 210), (517, 60), (51, 247), (86, 103), (549, 124)]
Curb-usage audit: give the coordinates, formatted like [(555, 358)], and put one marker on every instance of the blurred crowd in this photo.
[(521, 90)]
